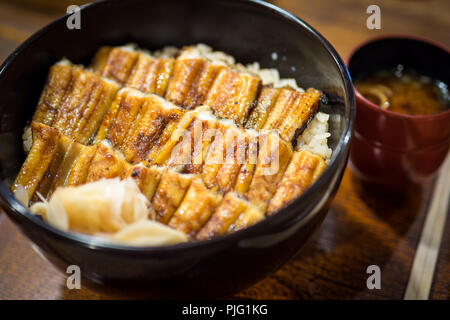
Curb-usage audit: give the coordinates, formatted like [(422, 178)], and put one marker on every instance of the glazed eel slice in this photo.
[(74, 101), (178, 148), (57, 160), (46, 142), (286, 110), (235, 212), (110, 163), (191, 80), (189, 152), (54, 160), (195, 209), (207, 145), (139, 124), (199, 80), (232, 214), (303, 169), (229, 151), (264, 105), (107, 163), (182, 201), (232, 94), (273, 157), (115, 63), (188, 81), (134, 68), (184, 81), (169, 193), (242, 209), (267, 159)]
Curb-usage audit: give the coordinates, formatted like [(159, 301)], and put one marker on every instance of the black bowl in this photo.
[(249, 30)]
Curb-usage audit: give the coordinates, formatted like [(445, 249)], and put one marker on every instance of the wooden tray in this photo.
[(361, 229)]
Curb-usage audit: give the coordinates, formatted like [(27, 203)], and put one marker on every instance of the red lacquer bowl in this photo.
[(394, 149)]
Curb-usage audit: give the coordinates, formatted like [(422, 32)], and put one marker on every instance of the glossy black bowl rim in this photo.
[(9, 203)]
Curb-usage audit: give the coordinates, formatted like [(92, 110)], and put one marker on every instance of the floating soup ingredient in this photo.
[(405, 91)]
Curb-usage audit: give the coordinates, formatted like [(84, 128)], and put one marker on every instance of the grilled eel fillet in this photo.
[(139, 124), (187, 81), (183, 201), (45, 146), (285, 110), (188, 146), (134, 68), (273, 157), (197, 206), (57, 160), (303, 169), (210, 146), (145, 126), (54, 160), (190, 81), (233, 213), (74, 101), (169, 194), (217, 157), (218, 178), (232, 94), (226, 155)]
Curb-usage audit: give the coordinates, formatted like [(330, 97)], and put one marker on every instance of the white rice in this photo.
[(315, 137), (27, 139), (271, 76), (202, 51), (167, 52)]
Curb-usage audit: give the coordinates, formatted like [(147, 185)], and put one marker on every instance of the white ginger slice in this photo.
[(103, 206), (149, 233)]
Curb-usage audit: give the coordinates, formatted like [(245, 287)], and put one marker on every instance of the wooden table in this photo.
[(362, 228)]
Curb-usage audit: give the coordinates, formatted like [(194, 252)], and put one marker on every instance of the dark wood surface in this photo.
[(362, 228), (440, 288)]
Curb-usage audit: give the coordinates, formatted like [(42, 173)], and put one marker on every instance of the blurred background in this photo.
[(342, 22)]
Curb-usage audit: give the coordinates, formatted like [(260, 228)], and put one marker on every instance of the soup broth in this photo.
[(405, 91)]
